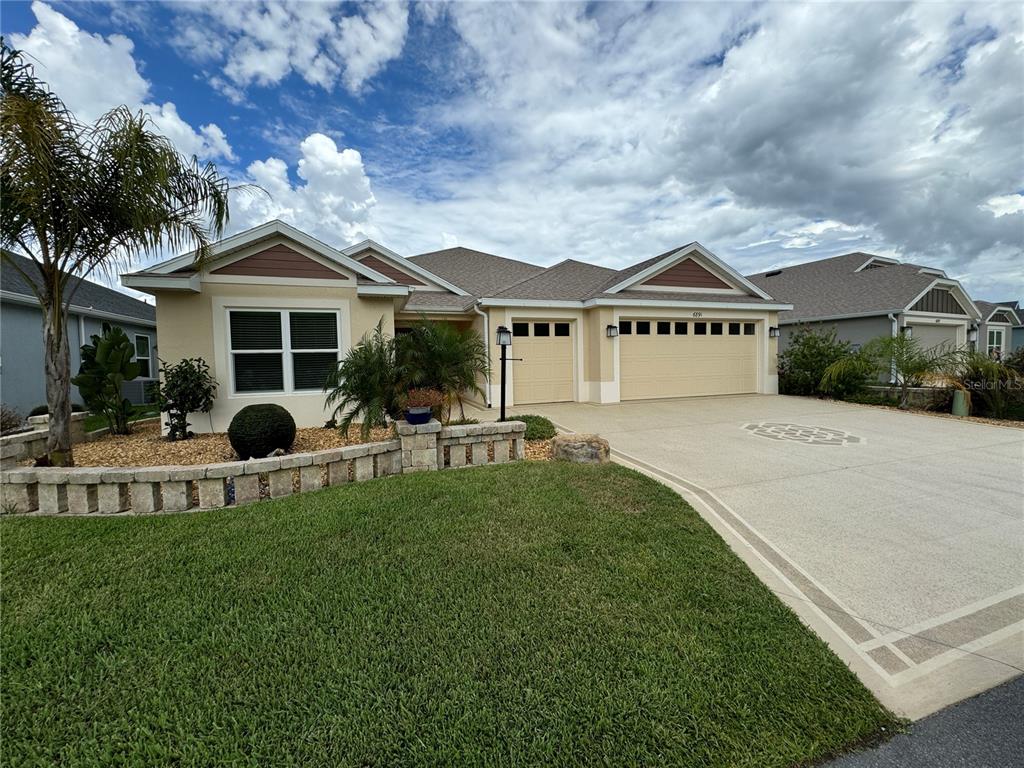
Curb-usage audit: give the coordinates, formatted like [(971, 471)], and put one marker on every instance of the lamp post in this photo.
[(504, 341)]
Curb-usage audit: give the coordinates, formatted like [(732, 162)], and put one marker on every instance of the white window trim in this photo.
[(149, 357), (286, 351), (989, 346)]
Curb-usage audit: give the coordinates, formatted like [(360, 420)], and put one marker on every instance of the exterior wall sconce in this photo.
[(972, 334), (773, 332), (611, 331), (907, 331)]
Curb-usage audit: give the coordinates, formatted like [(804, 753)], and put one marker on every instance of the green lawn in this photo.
[(523, 614)]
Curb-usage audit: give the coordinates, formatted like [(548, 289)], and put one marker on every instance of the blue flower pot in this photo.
[(419, 415)]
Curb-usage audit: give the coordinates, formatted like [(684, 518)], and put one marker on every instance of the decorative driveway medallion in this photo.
[(799, 433)]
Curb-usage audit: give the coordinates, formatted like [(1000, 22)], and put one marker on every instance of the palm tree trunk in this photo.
[(58, 383)]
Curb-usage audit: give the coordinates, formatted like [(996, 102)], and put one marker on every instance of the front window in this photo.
[(143, 356), (995, 343), (282, 350)]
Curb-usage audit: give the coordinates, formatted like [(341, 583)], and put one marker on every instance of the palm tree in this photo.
[(441, 356), (82, 198), (902, 358), (365, 384)]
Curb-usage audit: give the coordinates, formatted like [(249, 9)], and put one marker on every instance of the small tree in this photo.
[(809, 353), (902, 357), (366, 384), (438, 355), (185, 387), (107, 364)]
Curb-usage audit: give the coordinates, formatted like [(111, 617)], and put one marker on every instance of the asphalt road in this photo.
[(984, 732)]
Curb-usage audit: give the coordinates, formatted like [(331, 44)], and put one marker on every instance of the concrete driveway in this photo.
[(898, 537)]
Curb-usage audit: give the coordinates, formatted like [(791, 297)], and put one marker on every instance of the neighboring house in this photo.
[(863, 297), (274, 309), (995, 331), (22, 381)]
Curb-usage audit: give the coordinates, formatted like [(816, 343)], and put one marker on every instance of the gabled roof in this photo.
[(989, 308), (568, 280), (839, 287), (89, 298), (632, 277), (408, 265), (229, 245), (478, 273)]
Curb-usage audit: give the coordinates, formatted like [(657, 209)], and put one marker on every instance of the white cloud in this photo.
[(262, 43), (1003, 205), (333, 202), (93, 74), (609, 132)]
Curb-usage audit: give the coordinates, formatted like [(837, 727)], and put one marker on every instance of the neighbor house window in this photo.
[(995, 342), (143, 356), (282, 350)]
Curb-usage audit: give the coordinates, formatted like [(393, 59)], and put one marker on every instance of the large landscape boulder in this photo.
[(581, 449)]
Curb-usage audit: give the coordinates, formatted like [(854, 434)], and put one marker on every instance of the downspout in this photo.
[(895, 333), (487, 346)]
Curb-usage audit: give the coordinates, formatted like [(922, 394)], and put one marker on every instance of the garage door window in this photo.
[(716, 329), (700, 329), (561, 329), (625, 327), (643, 328), (748, 329), (541, 329), (520, 329), (681, 329), (734, 329), (664, 328)]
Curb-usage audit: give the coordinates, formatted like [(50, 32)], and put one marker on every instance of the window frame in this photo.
[(149, 357), (989, 346), (286, 351)]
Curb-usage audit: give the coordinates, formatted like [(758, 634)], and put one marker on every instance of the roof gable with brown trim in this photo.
[(687, 274), (280, 261), (386, 268)]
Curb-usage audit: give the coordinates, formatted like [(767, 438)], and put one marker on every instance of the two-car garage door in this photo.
[(657, 358), (673, 358)]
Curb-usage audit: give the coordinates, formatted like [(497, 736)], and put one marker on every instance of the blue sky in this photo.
[(606, 132)]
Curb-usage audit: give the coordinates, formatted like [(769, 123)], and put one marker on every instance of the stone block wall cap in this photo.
[(118, 475), (293, 460), (153, 474), (18, 476), (327, 457), (52, 475), (225, 469), (186, 472), (354, 451), (85, 475), (269, 464), (405, 428)]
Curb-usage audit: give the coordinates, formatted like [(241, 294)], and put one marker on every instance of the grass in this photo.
[(98, 421), (523, 614)]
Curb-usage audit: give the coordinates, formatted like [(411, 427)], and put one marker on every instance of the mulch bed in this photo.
[(146, 448)]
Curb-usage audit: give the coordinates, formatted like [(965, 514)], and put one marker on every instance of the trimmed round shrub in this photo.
[(257, 430), (537, 427)]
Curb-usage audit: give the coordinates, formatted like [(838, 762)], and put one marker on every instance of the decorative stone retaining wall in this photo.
[(31, 444), (920, 397), (148, 490)]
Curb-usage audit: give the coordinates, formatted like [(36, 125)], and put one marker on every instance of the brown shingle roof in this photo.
[(424, 300), (569, 280), (478, 273), (833, 287)]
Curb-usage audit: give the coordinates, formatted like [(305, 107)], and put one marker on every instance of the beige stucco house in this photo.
[(274, 309)]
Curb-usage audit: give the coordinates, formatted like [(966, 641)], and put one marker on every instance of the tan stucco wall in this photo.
[(599, 350), (193, 325)]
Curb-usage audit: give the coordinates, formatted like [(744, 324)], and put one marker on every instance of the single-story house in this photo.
[(863, 296), (274, 309), (995, 331), (22, 379)]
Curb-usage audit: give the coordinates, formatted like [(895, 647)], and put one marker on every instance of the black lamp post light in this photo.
[(504, 341)]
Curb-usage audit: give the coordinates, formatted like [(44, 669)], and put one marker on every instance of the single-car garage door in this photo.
[(544, 374), (674, 358), (934, 335)]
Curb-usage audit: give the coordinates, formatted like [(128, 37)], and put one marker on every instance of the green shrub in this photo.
[(366, 385), (1015, 360), (107, 363), (995, 389), (438, 355), (257, 430), (809, 354), (537, 427), (187, 387)]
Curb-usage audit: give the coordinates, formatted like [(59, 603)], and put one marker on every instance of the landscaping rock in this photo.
[(580, 449)]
